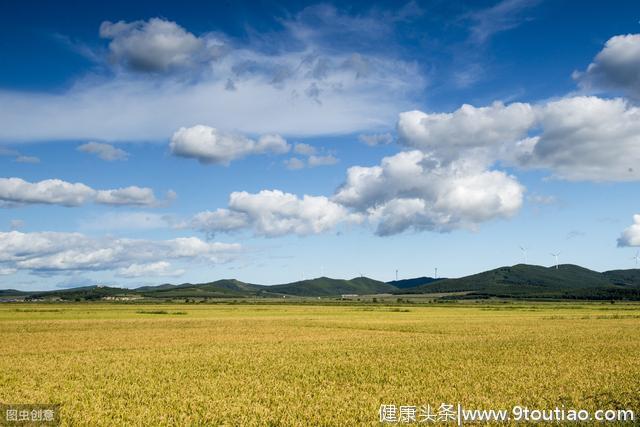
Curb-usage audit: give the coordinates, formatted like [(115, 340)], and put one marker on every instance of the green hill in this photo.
[(412, 283), (624, 277), (12, 293), (220, 288), (83, 293), (533, 281), (518, 281), (324, 286)]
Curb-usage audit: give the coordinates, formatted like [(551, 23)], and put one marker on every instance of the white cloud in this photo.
[(7, 271), (631, 235), (477, 130), (50, 252), (313, 158), (615, 67), (157, 45), (582, 138), (105, 151), (294, 163), (502, 16), (220, 220), (154, 269), (413, 190), (50, 191), (304, 149), (453, 182), (586, 138), (327, 160), (18, 158), (210, 146), (271, 143), (271, 79), (16, 191), (274, 213), (376, 139), (129, 196)]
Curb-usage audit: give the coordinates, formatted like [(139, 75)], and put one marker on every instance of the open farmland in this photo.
[(278, 364)]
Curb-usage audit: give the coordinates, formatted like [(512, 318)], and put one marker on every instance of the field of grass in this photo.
[(127, 364)]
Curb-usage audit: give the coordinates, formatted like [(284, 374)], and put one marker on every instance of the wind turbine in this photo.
[(637, 257), (524, 253), (396, 275), (435, 276), (556, 255)]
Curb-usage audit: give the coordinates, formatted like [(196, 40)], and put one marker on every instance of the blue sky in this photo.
[(272, 141)]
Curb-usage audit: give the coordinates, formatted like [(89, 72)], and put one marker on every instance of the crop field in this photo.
[(278, 364)]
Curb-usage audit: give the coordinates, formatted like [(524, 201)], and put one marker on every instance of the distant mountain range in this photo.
[(519, 281), (532, 281)]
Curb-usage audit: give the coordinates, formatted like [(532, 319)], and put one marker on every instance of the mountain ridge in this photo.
[(568, 281)]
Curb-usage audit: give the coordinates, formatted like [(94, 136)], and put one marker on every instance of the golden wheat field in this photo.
[(299, 365)]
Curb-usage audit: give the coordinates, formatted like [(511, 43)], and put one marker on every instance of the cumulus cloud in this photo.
[(274, 213), (129, 196), (327, 160), (453, 179), (17, 157), (631, 235), (294, 163), (468, 129), (104, 151), (313, 158), (580, 138), (304, 149), (220, 220), (413, 190), (50, 191), (211, 146), (295, 82), (157, 45), (376, 139), (16, 191), (51, 252), (615, 67), (586, 138)]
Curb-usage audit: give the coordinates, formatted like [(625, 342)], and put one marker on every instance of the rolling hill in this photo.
[(518, 281), (533, 281), (623, 277), (12, 293), (324, 286), (219, 289), (412, 283), (227, 288)]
